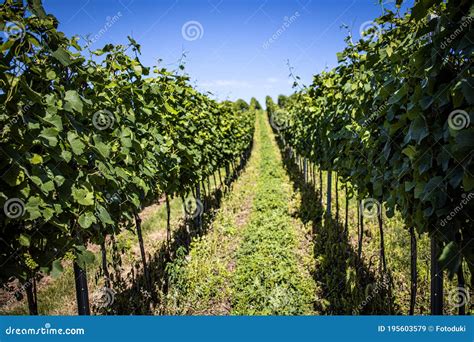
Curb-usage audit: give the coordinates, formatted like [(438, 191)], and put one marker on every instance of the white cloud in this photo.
[(226, 83), (266, 83), (272, 80)]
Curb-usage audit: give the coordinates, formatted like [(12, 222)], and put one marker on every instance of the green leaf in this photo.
[(66, 155), (50, 75), (147, 111), (409, 151), (103, 215), (36, 159), (467, 182), (62, 56), (24, 240), (47, 187), (83, 196), (138, 70), (55, 120), (102, 148), (420, 10), (73, 101), (170, 109), (77, 145), (87, 219), (418, 129), (340, 57), (425, 162), (399, 94), (48, 214), (433, 185), (33, 95), (84, 257), (14, 175), (36, 7), (59, 180), (33, 207), (50, 134), (419, 187)]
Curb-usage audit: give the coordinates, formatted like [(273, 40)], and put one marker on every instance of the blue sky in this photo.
[(235, 49)]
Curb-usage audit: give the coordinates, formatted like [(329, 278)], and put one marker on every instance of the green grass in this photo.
[(200, 282), (267, 278)]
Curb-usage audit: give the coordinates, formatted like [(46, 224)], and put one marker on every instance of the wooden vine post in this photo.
[(346, 214), (436, 278), (413, 271), (105, 270), (31, 294), (461, 287), (215, 181), (82, 292), (321, 187), (197, 219), (209, 190), (305, 170), (138, 224), (360, 231), (204, 195), (220, 178), (337, 197), (328, 204), (168, 226), (227, 174), (383, 262)]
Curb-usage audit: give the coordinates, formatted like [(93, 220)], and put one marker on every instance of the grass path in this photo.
[(201, 282), (272, 273), (256, 258)]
